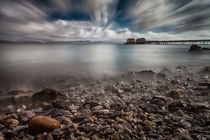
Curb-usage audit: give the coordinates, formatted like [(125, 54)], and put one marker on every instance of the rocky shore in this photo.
[(143, 105)]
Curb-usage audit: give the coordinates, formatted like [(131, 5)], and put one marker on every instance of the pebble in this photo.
[(170, 108), (40, 124)]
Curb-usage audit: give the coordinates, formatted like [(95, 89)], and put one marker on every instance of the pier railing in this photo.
[(175, 42)]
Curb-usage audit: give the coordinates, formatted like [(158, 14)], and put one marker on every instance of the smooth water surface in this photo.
[(41, 61)]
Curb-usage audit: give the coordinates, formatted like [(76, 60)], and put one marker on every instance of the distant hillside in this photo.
[(82, 42)]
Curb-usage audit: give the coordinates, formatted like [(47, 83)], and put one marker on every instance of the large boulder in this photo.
[(48, 95), (195, 48), (208, 49)]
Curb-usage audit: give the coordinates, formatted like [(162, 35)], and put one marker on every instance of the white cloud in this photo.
[(179, 15), (25, 20)]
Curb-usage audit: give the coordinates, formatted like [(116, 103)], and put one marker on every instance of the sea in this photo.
[(26, 62)]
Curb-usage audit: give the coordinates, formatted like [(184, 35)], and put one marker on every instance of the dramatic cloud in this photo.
[(103, 20), (176, 15)]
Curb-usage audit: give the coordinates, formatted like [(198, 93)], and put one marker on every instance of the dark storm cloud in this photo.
[(47, 20)]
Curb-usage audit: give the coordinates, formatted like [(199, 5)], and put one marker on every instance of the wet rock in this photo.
[(1, 136), (9, 134), (133, 109), (79, 117), (185, 124), (20, 128), (182, 134), (7, 100), (175, 82), (42, 124), (147, 74), (206, 69), (195, 48), (149, 125), (118, 90), (157, 101), (22, 98), (107, 106), (115, 137), (177, 105), (49, 137), (82, 138), (48, 95), (182, 68), (199, 107), (94, 128), (65, 120), (161, 76), (28, 114), (204, 94), (109, 131), (46, 105), (3, 118), (91, 103), (11, 123), (176, 94)]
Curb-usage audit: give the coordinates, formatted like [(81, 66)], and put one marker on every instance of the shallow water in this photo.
[(25, 62)]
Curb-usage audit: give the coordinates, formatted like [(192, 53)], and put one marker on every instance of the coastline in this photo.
[(136, 105)]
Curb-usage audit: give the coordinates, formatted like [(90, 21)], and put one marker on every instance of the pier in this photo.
[(167, 42)]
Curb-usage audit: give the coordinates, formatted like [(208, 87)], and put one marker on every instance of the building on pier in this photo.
[(131, 41), (140, 41)]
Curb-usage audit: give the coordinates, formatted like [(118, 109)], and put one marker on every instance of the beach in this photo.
[(171, 103)]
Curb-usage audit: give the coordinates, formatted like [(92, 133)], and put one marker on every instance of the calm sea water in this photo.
[(19, 62)]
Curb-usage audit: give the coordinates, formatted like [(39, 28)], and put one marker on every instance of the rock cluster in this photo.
[(131, 109), (195, 48)]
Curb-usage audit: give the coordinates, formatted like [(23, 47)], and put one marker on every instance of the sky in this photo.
[(103, 20)]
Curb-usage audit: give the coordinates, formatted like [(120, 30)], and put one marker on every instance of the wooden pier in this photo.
[(177, 42), (167, 42)]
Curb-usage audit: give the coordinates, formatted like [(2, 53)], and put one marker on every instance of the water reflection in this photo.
[(42, 61)]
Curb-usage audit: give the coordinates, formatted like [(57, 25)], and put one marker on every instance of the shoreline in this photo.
[(136, 105)]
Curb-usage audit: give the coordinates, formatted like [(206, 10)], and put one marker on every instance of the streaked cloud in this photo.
[(103, 20)]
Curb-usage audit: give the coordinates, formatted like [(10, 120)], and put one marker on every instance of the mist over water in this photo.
[(29, 63)]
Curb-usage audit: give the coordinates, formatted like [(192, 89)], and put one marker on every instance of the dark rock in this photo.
[(147, 74), (195, 48), (4, 118), (79, 118), (109, 131), (204, 84), (176, 94), (206, 70), (161, 76), (198, 107), (158, 102), (206, 49), (48, 95), (185, 124), (91, 103), (20, 128), (204, 94), (149, 125), (7, 100), (23, 98), (177, 105), (9, 134), (182, 134)]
